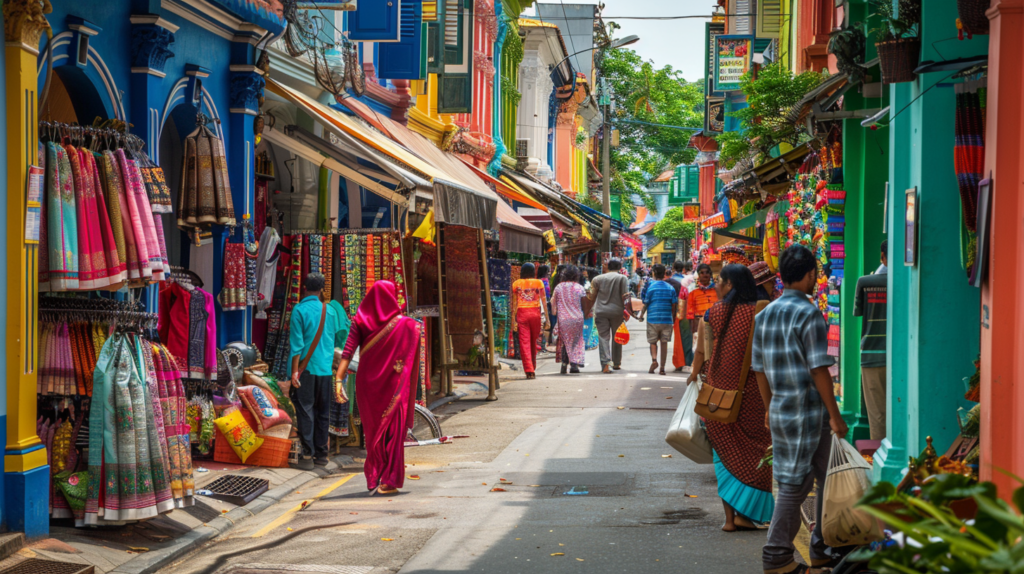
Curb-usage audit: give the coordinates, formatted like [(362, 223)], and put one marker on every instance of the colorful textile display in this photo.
[(62, 231), (462, 259), (205, 194), (187, 326), (499, 271), (233, 292), (969, 148)]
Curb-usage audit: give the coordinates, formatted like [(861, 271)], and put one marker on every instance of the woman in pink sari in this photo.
[(388, 344)]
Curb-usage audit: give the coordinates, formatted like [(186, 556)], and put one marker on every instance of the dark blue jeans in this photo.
[(313, 411)]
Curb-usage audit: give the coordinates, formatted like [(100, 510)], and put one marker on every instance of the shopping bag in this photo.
[(845, 484), (685, 433), (622, 334)]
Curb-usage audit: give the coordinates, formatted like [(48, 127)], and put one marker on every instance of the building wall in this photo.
[(932, 312)]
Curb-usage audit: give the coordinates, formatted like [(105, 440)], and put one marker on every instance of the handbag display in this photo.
[(721, 405), (685, 432)]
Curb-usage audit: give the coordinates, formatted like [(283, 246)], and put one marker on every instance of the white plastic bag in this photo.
[(685, 433), (845, 484)]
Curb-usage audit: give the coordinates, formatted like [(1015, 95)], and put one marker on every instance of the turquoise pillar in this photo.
[(933, 313)]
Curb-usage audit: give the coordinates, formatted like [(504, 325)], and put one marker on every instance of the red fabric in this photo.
[(529, 330), (173, 320), (385, 382), (678, 352)]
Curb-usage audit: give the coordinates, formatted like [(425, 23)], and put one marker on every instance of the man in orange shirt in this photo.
[(702, 296)]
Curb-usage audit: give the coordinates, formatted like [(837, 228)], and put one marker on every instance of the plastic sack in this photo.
[(622, 334), (685, 433), (845, 484)]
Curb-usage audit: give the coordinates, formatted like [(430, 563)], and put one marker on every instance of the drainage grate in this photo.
[(38, 566), (236, 489)]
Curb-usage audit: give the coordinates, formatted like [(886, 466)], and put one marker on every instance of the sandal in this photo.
[(654, 365), (661, 372)]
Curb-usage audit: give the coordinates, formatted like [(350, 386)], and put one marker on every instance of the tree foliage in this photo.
[(643, 93), (763, 123), (672, 226)]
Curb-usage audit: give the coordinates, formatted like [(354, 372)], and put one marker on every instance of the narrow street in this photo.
[(586, 485)]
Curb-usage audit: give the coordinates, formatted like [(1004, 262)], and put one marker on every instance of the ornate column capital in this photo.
[(152, 38), (25, 21), (245, 90)]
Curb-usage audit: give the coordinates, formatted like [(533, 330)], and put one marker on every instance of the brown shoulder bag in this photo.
[(720, 405)]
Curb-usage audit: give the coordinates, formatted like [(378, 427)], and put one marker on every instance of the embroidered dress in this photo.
[(567, 300), (62, 228), (232, 294)]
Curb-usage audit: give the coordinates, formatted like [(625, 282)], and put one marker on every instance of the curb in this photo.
[(152, 561)]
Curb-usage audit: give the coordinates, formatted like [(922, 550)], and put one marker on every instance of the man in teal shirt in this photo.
[(313, 387)]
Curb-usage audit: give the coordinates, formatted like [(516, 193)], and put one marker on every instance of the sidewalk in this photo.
[(144, 547)]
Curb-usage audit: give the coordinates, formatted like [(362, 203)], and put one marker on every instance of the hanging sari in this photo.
[(111, 231), (145, 237), (62, 225), (389, 346), (87, 224), (107, 269), (103, 495), (136, 190), (137, 259), (157, 437)]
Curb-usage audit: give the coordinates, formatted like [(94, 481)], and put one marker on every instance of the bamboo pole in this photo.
[(442, 313), (492, 373)]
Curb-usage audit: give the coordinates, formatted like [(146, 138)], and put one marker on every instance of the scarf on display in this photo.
[(142, 215), (969, 148), (205, 194), (176, 427), (62, 230)]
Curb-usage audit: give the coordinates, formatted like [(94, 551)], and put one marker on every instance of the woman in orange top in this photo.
[(531, 302), (702, 296)]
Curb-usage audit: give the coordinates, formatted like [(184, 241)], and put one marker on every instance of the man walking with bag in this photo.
[(790, 359), (314, 326), (608, 292)]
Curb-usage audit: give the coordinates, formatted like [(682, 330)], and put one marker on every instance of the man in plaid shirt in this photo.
[(790, 359)]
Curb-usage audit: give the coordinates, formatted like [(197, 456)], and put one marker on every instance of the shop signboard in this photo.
[(732, 60), (691, 212), (714, 116)]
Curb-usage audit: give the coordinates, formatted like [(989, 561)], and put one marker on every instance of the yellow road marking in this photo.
[(288, 515)]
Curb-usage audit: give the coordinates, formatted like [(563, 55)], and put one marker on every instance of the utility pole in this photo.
[(606, 160)]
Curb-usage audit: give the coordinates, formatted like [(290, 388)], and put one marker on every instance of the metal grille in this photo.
[(522, 148), (236, 489), (38, 566)]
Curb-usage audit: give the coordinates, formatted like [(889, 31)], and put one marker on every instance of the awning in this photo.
[(320, 158), (545, 193), (555, 215), (758, 217), (507, 190), (645, 229), (631, 240), (458, 199), (517, 234)]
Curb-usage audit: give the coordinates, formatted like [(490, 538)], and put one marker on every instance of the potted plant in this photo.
[(897, 40)]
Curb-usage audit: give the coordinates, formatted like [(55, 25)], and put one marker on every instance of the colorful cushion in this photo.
[(239, 434), (263, 407)]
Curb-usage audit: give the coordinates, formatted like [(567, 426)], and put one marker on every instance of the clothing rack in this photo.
[(180, 274), (341, 231)]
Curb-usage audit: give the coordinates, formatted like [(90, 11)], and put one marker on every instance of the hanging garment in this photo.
[(62, 228), (266, 270), (205, 195), (156, 436), (142, 213), (969, 148), (114, 243), (134, 239), (156, 186), (86, 225), (232, 294), (173, 404), (251, 253), (173, 322), (106, 268), (202, 342)]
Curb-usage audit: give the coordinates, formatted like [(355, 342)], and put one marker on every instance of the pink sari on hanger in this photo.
[(388, 344), (142, 214), (134, 240), (115, 271)]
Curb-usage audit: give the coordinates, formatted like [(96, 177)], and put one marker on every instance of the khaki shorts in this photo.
[(659, 333)]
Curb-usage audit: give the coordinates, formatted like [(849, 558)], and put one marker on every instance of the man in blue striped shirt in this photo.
[(660, 302), (791, 361)]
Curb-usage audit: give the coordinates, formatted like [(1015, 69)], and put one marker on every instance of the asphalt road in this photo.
[(585, 486)]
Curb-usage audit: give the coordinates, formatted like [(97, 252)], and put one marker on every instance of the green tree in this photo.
[(644, 93), (763, 123), (673, 226)]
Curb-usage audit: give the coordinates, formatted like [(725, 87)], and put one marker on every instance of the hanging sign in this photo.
[(691, 212), (33, 204), (714, 116), (732, 60)]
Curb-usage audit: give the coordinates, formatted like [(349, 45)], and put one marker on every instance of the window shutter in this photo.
[(375, 20), (402, 60), (741, 24), (455, 83), (692, 181), (769, 18)]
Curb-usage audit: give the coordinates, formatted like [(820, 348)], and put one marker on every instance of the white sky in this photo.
[(679, 43)]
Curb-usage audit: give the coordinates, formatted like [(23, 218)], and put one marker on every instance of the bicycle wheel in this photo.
[(425, 425)]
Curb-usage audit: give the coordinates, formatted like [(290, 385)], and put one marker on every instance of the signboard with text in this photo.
[(732, 60)]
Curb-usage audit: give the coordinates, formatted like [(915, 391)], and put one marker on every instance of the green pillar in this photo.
[(933, 334)]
